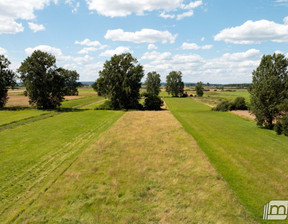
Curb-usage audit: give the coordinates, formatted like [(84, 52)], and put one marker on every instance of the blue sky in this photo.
[(216, 41)]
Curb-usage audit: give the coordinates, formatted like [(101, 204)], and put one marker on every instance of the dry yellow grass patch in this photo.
[(145, 169)]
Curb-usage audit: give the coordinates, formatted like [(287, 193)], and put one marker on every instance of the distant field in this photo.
[(145, 169), (252, 160), (33, 156)]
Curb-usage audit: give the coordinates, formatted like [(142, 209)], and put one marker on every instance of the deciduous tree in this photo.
[(174, 84), (153, 83)]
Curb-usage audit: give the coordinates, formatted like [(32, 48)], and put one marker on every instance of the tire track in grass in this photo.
[(19, 193)]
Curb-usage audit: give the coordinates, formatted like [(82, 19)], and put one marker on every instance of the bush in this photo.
[(144, 94), (278, 128), (185, 95), (223, 106), (153, 102), (239, 104), (107, 105)]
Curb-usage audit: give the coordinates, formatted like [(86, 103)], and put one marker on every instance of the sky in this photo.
[(215, 41)]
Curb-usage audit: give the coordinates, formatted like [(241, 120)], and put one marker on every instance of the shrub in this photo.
[(285, 125), (278, 128), (144, 94), (223, 106), (185, 94), (153, 102), (239, 104)]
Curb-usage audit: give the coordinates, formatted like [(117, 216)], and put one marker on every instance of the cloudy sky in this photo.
[(216, 41)]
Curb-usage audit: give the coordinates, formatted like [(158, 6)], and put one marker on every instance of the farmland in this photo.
[(252, 160), (80, 165)]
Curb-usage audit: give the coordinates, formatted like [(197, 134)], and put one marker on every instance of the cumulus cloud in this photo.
[(255, 32), (167, 16), (91, 46), (73, 4), (120, 8), (3, 51), (230, 67), (193, 46), (44, 48), (142, 36), (36, 27), (118, 50), (18, 9), (185, 14), (152, 47)]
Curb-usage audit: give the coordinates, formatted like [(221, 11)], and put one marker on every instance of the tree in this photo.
[(199, 89), (99, 87), (153, 102), (71, 84), (269, 89), (45, 86), (120, 81), (153, 83), (174, 84), (7, 79)]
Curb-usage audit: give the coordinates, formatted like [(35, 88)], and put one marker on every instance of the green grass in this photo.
[(139, 172), (252, 160), (79, 103), (34, 155), (9, 116)]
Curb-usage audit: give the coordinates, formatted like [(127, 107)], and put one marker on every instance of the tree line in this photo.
[(46, 84)]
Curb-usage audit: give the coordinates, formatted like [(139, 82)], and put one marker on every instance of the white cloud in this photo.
[(36, 27), (166, 16), (10, 11), (73, 4), (44, 48), (230, 67), (152, 47), (118, 50), (3, 51), (120, 8), (193, 46), (192, 5), (255, 32), (86, 50), (202, 39), (89, 43), (185, 14), (285, 20), (142, 36)]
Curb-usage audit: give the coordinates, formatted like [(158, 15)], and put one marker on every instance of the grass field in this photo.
[(33, 156), (145, 169), (253, 161)]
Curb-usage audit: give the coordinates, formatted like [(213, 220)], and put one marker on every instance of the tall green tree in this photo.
[(269, 89), (153, 83), (71, 81), (199, 89), (120, 81), (99, 87), (45, 85), (174, 84), (7, 79)]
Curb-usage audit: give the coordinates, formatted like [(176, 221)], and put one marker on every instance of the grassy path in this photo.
[(33, 156), (252, 160), (145, 169)]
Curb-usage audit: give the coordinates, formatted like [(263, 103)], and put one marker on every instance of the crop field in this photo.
[(252, 160)]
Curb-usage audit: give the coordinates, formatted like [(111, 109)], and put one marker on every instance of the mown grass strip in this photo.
[(144, 169), (252, 160), (32, 156)]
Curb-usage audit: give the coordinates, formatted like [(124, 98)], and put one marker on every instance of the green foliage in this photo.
[(120, 81), (199, 89), (278, 128), (153, 102), (174, 84), (269, 88), (7, 79), (45, 85), (99, 87), (71, 83), (239, 104), (144, 94), (153, 83), (223, 106)]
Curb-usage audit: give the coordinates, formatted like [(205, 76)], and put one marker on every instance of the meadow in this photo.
[(190, 165), (252, 160)]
